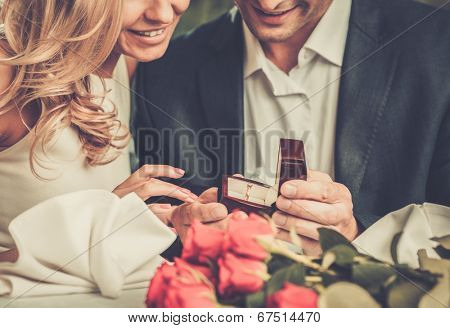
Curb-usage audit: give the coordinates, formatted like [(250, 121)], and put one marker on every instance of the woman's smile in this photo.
[(149, 37)]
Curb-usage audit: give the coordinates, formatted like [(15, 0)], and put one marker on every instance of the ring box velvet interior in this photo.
[(252, 196)]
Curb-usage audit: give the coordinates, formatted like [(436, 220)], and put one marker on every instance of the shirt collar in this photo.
[(329, 37), (327, 40), (254, 58)]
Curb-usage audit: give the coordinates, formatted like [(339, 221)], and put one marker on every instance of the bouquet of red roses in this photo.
[(246, 266)]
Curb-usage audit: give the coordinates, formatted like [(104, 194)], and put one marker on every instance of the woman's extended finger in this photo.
[(162, 211), (146, 172), (155, 187)]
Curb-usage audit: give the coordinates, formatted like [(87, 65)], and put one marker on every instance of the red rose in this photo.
[(209, 271), (238, 275), (242, 233), (180, 286), (203, 244), (293, 296)]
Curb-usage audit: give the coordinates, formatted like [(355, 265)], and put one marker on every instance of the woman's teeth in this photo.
[(150, 34)]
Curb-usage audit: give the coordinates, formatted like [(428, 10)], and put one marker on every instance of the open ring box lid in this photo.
[(253, 196)]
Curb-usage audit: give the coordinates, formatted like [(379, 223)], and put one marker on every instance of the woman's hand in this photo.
[(143, 182), (9, 256)]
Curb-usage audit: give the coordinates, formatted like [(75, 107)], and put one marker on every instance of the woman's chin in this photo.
[(147, 55)]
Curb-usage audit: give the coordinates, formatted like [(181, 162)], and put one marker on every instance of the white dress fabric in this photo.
[(72, 233), (418, 224), (84, 242), (65, 169)]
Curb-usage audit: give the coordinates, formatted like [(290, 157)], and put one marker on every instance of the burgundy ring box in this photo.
[(253, 197)]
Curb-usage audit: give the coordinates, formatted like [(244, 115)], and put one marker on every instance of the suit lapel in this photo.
[(368, 72), (220, 82)]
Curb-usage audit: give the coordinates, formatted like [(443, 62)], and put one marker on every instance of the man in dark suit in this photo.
[(388, 115)]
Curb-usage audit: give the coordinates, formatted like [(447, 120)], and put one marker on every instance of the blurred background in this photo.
[(202, 11)]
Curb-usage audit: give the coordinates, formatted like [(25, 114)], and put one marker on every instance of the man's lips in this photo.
[(274, 13), (274, 17)]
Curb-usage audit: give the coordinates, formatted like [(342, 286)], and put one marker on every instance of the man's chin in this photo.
[(273, 35)]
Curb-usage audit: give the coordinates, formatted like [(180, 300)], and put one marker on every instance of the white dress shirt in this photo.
[(301, 104)]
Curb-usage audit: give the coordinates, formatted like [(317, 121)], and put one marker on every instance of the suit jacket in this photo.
[(393, 120)]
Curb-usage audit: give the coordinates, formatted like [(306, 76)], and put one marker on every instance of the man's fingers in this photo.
[(318, 176), (322, 213), (222, 224), (211, 212), (324, 192), (205, 213), (301, 227), (309, 246), (239, 215), (209, 196)]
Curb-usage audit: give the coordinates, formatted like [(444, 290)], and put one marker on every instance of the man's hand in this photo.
[(318, 202), (205, 209)]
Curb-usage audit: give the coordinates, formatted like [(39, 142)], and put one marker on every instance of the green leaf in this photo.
[(344, 254), (406, 293), (394, 245), (256, 300), (443, 241), (327, 261), (433, 265), (416, 275), (346, 295), (372, 276), (329, 238), (328, 279), (278, 262), (439, 296), (294, 273)]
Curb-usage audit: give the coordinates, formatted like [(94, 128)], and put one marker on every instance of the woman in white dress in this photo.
[(65, 68)]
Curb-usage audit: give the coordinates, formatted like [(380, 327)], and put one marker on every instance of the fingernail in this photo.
[(283, 203), (289, 190), (180, 171), (219, 212), (186, 191), (165, 206)]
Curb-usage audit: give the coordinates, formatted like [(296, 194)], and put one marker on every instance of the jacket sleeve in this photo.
[(438, 188)]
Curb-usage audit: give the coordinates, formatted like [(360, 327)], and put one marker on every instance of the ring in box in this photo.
[(252, 196)]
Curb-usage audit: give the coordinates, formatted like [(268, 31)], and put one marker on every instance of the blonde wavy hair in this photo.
[(54, 45)]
